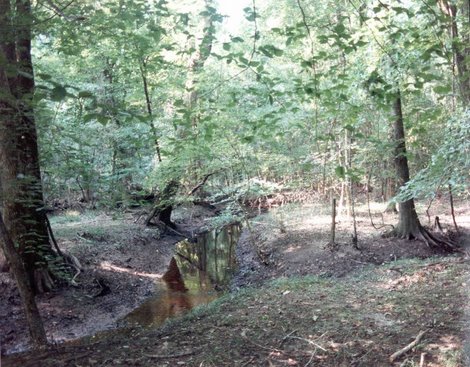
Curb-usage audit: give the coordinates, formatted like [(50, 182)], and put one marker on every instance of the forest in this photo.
[(234, 183)]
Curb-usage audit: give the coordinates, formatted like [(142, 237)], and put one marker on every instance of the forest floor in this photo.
[(295, 300)]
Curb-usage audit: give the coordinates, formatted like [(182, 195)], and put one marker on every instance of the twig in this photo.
[(200, 184), (427, 210), (52, 237), (249, 362), (309, 342), (263, 347), (311, 359), (286, 337), (368, 204), (410, 346), (452, 211), (168, 356), (422, 359)]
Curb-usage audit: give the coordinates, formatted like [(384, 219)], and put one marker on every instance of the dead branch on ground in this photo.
[(410, 346)]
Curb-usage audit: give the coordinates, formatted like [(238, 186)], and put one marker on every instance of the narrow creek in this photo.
[(199, 273)]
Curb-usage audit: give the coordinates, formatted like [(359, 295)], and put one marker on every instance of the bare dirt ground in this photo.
[(307, 304), (292, 241)]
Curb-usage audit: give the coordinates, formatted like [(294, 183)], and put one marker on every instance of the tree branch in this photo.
[(200, 184)]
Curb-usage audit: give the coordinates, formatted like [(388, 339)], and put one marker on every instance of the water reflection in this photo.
[(197, 274)]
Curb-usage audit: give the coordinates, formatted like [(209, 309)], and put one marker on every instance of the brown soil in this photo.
[(294, 241), (351, 307)]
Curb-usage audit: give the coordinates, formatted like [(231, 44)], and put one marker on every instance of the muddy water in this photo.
[(197, 274)]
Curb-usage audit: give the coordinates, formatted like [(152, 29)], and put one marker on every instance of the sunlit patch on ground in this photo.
[(105, 265)]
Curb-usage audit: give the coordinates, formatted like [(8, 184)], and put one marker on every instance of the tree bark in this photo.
[(21, 193), (164, 206), (408, 224), (35, 325), (148, 101), (333, 221), (197, 61)]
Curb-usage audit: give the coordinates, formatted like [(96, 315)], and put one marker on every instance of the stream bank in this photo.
[(124, 263)]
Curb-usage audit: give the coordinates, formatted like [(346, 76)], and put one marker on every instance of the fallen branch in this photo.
[(410, 346)]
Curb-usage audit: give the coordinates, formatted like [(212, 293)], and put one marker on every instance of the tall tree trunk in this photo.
[(460, 43), (35, 325), (197, 61), (148, 102), (408, 225), (21, 193)]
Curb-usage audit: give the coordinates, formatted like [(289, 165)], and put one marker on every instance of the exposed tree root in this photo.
[(70, 261), (430, 239), (43, 281)]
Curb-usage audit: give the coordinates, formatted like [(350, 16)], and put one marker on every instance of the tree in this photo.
[(201, 53), (23, 207), (460, 44), (409, 226)]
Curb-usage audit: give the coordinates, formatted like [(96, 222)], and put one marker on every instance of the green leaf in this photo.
[(265, 52), (89, 117), (277, 51), (340, 29), (442, 89), (270, 51), (58, 93), (237, 39), (249, 14), (322, 39), (226, 46), (340, 172), (102, 119), (85, 94), (44, 76), (178, 103)]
